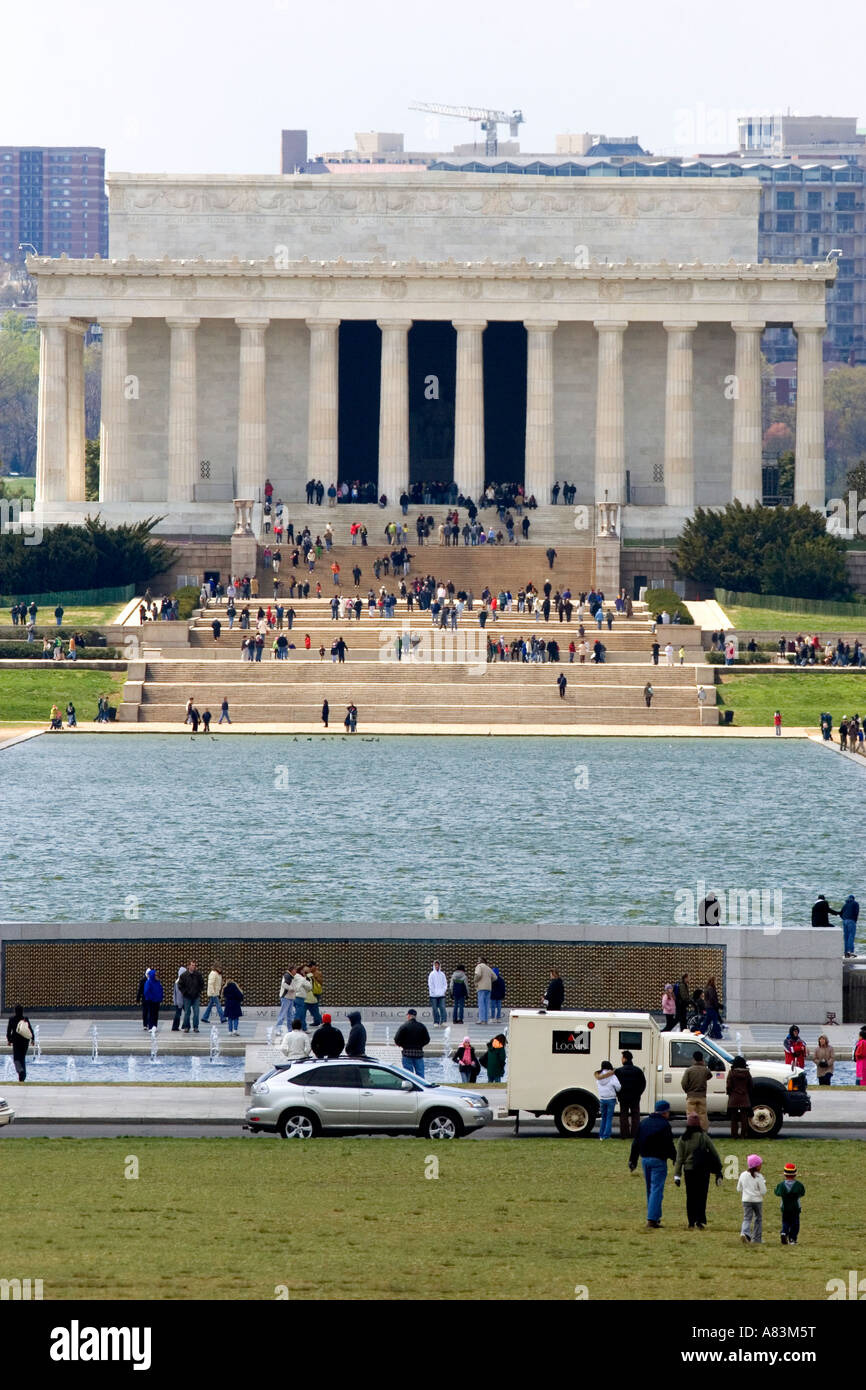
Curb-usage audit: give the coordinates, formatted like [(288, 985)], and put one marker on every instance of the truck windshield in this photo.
[(714, 1047)]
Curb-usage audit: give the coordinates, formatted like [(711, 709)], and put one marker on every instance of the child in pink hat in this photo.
[(753, 1189)]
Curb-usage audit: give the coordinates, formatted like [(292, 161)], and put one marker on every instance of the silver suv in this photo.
[(303, 1099)]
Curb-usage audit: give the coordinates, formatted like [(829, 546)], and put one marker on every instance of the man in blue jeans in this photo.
[(850, 914), (191, 985), (654, 1145), (437, 988), (412, 1037)]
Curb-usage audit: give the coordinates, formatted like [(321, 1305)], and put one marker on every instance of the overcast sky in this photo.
[(184, 86)]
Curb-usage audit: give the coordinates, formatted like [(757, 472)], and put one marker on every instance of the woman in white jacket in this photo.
[(607, 1085)]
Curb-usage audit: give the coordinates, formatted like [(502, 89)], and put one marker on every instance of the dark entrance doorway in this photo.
[(504, 403), (432, 367), (358, 410)]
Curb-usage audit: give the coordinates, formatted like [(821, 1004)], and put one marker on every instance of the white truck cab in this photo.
[(552, 1058)]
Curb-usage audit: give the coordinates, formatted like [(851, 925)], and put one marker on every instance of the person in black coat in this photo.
[(632, 1084), (18, 1041), (356, 1044), (654, 1146), (327, 1041), (554, 995)]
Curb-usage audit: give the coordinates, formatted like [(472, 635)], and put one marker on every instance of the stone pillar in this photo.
[(469, 409), (538, 478), (52, 426), (809, 470), (75, 335), (252, 409), (182, 411), (746, 480), (114, 431), (609, 415), (322, 419), (394, 408), (679, 417)]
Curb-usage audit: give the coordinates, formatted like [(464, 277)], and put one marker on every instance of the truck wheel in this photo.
[(766, 1121), (575, 1117)]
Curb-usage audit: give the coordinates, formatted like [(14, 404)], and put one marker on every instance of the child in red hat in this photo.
[(789, 1191)]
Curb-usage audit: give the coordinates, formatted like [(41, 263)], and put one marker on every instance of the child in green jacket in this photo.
[(790, 1191)]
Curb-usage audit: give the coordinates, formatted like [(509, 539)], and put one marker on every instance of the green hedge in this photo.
[(744, 659), (188, 600), (658, 600), (73, 598), (93, 636), (820, 607), (32, 651)]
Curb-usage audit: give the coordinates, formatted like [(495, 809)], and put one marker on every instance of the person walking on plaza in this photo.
[(789, 1191), (19, 1036), (562, 682), (233, 997), (467, 1062), (286, 1000), (713, 1016), (177, 999), (139, 996), (554, 995), (654, 1145), (327, 1041), (412, 1037), (191, 986), (437, 988), (295, 1043), (850, 914), (824, 1058), (497, 993), (753, 1189), (302, 989), (859, 1058), (683, 996), (459, 986), (694, 1083), (632, 1084), (483, 981), (669, 1008), (153, 997), (739, 1087), (214, 989), (795, 1048), (648, 693), (224, 711), (697, 1158), (777, 723), (326, 713), (607, 1085)]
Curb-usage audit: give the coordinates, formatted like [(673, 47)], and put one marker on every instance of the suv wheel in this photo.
[(298, 1124), (575, 1117), (442, 1124), (766, 1118)]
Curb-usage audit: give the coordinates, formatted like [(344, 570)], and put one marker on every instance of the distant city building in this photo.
[(53, 198), (802, 136)]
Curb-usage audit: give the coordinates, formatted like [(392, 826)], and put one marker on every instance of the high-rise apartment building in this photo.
[(53, 200)]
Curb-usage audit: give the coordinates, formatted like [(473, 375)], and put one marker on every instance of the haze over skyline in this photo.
[(207, 88)]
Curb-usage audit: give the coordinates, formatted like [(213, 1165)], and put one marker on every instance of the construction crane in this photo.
[(489, 119)]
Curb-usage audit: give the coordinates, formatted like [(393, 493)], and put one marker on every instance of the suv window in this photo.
[(330, 1076), (380, 1079)]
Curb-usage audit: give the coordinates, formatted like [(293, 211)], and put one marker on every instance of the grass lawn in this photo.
[(800, 695), (29, 695), (774, 620), (96, 616), (525, 1219)]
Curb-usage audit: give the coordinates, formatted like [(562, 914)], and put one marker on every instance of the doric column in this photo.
[(114, 431), (746, 481), (322, 418), (182, 411), (469, 408), (610, 415), (252, 409), (679, 417), (538, 478), (809, 470), (52, 424), (75, 335), (394, 408)]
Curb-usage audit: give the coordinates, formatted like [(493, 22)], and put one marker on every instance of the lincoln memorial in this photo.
[(399, 328)]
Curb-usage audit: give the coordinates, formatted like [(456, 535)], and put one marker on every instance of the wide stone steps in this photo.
[(472, 694), (417, 716), (268, 672), (548, 525)]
